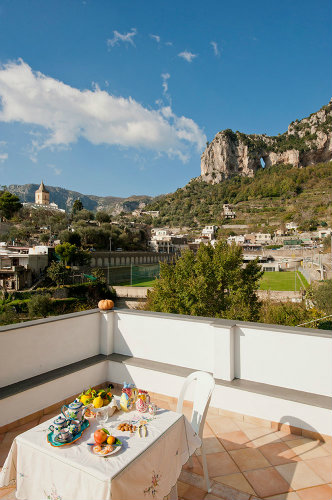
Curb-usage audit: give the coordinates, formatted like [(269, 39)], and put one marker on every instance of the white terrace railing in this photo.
[(272, 372)]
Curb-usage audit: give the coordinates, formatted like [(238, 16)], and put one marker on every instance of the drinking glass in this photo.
[(102, 416)]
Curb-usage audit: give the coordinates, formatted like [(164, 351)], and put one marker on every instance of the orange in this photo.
[(111, 440)]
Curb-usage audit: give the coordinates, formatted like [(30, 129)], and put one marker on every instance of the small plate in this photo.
[(54, 442), (116, 448)]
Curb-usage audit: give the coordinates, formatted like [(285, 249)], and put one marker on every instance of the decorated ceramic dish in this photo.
[(52, 439), (105, 450)]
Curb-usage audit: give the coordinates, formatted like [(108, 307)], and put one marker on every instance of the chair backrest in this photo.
[(203, 392)]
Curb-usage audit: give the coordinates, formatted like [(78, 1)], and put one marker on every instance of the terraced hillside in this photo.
[(272, 197)]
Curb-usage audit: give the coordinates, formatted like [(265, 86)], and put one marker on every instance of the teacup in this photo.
[(64, 435), (74, 426), (152, 408)]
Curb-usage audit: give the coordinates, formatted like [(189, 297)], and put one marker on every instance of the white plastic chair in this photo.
[(203, 392)]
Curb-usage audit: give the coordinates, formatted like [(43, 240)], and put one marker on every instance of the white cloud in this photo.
[(155, 37), (56, 171), (215, 48), (169, 44), (125, 38), (165, 77), (67, 114), (3, 157), (188, 56)]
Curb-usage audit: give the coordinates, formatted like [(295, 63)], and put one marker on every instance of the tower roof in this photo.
[(42, 188)]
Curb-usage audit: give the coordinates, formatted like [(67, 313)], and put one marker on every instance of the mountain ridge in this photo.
[(65, 198), (306, 142)]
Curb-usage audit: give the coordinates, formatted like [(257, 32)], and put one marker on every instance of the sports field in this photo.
[(278, 281), (283, 281), (140, 283)]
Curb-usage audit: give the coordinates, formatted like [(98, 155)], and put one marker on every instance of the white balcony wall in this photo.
[(35, 347), (165, 339), (300, 361)]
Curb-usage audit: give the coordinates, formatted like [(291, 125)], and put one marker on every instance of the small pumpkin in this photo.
[(106, 304)]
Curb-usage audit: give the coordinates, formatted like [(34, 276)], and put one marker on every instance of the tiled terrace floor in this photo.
[(246, 461)]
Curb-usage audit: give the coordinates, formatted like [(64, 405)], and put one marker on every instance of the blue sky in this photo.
[(113, 97)]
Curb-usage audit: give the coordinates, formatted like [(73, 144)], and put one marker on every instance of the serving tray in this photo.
[(52, 440)]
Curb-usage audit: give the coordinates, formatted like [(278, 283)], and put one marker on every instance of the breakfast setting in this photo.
[(98, 408)]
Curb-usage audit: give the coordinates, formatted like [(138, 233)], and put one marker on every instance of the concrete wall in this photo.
[(35, 347), (293, 358)]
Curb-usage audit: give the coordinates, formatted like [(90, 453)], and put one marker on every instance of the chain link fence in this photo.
[(131, 275)]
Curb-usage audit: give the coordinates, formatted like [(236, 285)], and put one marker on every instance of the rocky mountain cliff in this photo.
[(65, 198), (306, 142)]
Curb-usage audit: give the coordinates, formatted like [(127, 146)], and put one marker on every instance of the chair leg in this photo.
[(205, 469)]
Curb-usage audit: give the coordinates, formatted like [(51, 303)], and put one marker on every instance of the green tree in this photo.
[(321, 296), (9, 204), (102, 216), (77, 206), (99, 274), (72, 237), (58, 273), (66, 252), (84, 215), (44, 238), (39, 305), (211, 283)]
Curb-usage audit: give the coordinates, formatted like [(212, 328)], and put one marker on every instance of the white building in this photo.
[(238, 239), (163, 241), (209, 232), (263, 238), (228, 212), (291, 226), (324, 233)]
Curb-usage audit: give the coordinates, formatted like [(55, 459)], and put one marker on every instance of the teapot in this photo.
[(74, 411), (58, 425)]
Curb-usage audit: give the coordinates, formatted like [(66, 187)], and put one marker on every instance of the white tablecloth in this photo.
[(143, 468)]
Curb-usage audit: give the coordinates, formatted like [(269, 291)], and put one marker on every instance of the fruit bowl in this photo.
[(110, 409)]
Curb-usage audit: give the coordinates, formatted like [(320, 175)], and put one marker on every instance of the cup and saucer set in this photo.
[(69, 426)]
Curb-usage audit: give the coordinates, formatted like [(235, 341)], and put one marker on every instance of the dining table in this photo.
[(143, 467)]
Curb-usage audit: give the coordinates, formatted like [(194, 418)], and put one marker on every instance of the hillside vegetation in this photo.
[(274, 195)]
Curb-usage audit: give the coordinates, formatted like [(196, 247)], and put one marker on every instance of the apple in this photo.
[(100, 436)]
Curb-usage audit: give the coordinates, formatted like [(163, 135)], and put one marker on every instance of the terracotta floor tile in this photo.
[(243, 425), (307, 448), (289, 437), (4, 450), (257, 432), (249, 458), (182, 487), (267, 482), (219, 464), (44, 418), (228, 493), (261, 435), (192, 479), (8, 493), (290, 495), (323, 492), (299, 475), (207, 431), (197, 467), (235, 440), (193, 493), (221, 425), (210, 496), (322, 466), (211, 445), (278, 453), (237, 481)]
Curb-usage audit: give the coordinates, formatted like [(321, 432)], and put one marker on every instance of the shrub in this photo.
[(39, 305)]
